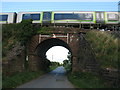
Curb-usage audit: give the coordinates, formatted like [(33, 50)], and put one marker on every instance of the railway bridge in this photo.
[(41, 43)]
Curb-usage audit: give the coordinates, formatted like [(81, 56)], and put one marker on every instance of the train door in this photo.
[(46, 17), (100, 17)]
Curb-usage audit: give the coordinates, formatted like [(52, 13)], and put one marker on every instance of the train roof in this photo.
[(53, 11), (6, 12)]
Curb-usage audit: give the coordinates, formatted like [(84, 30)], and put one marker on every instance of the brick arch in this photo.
[(39, 44), (45, 45)]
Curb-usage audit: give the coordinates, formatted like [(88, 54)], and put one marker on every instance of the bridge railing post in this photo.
[(67, 38)]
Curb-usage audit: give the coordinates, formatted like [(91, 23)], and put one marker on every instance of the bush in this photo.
[(20, 32), (25, 31)]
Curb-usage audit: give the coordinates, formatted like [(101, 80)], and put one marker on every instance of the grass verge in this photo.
[(86, 80), (19, 78), (105, 47)]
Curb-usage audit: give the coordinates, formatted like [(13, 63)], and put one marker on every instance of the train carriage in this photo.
[(73, 17), (35, 16), (112, 17), (112, 20), (7, 18)]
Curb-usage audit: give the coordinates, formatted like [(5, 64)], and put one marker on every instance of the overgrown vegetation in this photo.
[(86, 80), (21, 32), (106, 50), (68, 63), (54, 65), (12, 35), (105, 47), (43, 30), (19, 78)]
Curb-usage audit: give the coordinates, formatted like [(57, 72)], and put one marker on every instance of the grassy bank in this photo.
[(105, 47), (86, 80), (18, 35), (23, 77), (19, 78)]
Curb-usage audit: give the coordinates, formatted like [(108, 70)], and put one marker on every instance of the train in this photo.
[(82, 19)]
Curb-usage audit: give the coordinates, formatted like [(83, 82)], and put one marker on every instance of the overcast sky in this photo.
[(57, 53)]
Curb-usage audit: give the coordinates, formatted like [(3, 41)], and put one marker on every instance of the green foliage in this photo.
[(105, 47), (54, 65), (20, 32), (65, 62), (19, 78), (8, 30), (86, 80), (25, 32), (44, 30), (67, 65), (12, 33)]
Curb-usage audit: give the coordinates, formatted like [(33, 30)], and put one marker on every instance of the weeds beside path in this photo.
[(19, 78), (86, 80)]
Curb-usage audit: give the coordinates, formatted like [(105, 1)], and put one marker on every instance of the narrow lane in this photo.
[(54, 79)]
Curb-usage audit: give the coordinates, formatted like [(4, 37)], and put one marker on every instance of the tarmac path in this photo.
[(55, 79)]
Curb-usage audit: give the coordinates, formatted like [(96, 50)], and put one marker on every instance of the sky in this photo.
[(60, 1), (57, 53), (62, 5)]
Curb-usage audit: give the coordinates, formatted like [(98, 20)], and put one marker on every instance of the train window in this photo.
[(31, 16), (112, 17), (35, 16), (65, 16), (3, 17), (76, 16), (26, 16), (85, 16), (57, 17), (70, 16)]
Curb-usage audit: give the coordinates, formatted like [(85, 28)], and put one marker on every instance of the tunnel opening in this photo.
[(44, 48), (57, 54), (59, 57)]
